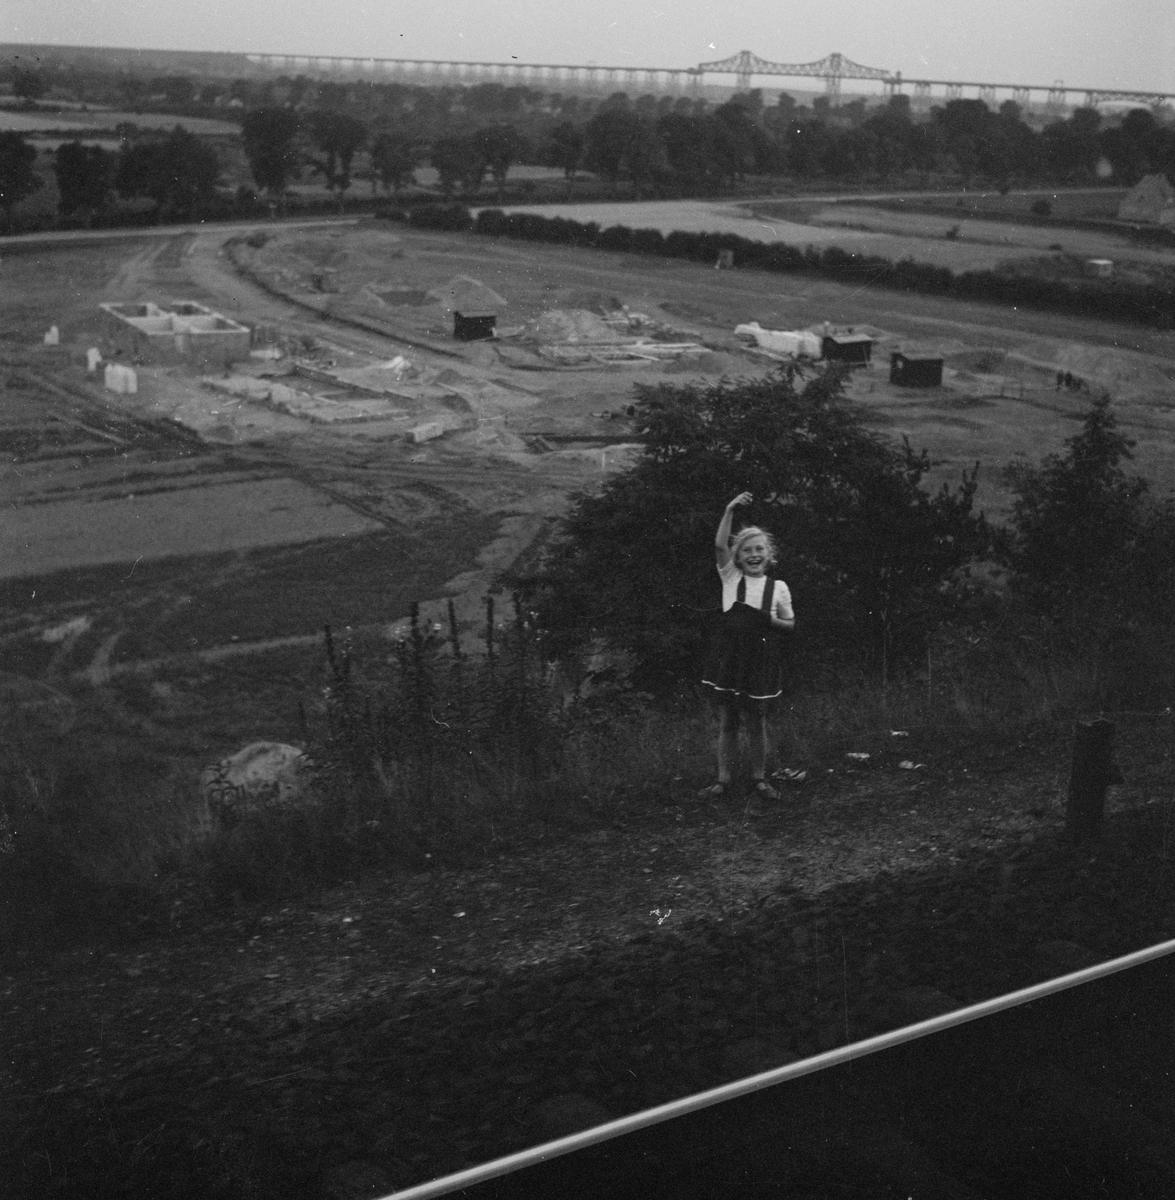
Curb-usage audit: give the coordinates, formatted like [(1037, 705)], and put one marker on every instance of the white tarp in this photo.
[(795, 343)]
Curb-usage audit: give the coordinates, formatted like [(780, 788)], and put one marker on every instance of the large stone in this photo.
[(262, 776)]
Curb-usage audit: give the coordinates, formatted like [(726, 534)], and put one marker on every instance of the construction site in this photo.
[(197, 414)]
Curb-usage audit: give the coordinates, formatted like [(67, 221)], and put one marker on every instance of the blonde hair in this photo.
[(743, 536)]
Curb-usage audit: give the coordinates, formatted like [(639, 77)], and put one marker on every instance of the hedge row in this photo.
[(1113, 299)]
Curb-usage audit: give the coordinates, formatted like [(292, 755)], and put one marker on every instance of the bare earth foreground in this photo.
[(166, 566), (415, 1025)]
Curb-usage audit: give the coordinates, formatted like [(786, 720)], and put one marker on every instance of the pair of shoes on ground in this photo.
[(762, 789)]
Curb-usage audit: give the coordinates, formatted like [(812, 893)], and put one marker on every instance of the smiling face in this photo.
[(753, 556)]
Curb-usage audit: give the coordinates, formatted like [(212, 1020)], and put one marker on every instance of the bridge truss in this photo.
[(832, 69), (744, 66)]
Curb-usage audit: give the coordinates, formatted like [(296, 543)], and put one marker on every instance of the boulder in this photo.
[(262, 776)]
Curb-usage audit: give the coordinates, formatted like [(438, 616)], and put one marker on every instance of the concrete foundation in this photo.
[(181, 332)]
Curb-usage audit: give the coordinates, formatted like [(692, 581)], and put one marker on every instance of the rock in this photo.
[(561, 1116), (357, 1180), (262, 775)]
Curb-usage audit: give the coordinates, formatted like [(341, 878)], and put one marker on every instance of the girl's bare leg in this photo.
[(757, 736), (728, 722)]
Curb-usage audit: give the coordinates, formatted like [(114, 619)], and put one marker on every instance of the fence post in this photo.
[(1093, 771)]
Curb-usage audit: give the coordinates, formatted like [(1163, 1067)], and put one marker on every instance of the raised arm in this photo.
[(722, 537)]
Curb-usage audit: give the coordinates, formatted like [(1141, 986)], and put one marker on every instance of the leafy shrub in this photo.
[(1042, 208), (869, 555), (452, 218), (1087, 545)]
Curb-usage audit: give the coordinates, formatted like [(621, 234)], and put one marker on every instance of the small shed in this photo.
[(915, 370), (474, 326), (1099, 268), (854, 349)]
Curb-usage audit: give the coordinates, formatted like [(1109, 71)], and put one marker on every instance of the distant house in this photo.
[(915, 370), (854, 349), (1150, 202)]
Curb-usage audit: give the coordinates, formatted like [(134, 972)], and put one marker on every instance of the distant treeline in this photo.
[(1107, 298), (292, 128)]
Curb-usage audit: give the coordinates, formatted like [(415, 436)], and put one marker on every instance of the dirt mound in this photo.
[(598, 302), (571, 325), (710, 363), (465, 294), (318, 251)]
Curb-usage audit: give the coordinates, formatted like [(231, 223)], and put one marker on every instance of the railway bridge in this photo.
[(745, 67)]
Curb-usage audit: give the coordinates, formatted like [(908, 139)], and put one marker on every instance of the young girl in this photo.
[(742, 664)]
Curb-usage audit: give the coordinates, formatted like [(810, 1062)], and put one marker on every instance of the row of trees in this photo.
[(280, 142), (686, 144), (656, 146), (686, 138), (963, 138)]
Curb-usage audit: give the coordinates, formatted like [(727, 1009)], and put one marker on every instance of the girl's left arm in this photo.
[(782, 616)]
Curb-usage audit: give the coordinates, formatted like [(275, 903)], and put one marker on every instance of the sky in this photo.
[(1121, 44)]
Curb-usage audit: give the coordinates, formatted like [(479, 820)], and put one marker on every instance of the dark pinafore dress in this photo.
[(742, 659)]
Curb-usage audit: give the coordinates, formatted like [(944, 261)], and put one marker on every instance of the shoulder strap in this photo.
[(740, 597), (768, 595)]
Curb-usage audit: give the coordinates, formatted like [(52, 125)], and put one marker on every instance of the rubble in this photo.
[(118, 378), (788, 343)]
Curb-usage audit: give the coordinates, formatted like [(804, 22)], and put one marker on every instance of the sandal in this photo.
[(714, 791), (764, 790)]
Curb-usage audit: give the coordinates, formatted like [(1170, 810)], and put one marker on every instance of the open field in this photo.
[(42, 539), (861, 227), (1066, 204), (95, 120)]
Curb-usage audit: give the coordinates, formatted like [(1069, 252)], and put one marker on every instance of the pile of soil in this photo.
[(402, 1028), (572, 325)]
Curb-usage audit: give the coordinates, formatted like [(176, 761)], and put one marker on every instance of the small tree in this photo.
[(459, 163), (338, 135), (500, 147), (29, 86), (270, 139), (394, 158), (179, 173), (1077, 523), (85, 175), (18, 179), (565, 150)]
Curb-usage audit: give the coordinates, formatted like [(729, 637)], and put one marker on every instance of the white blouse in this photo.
[(780, 602)]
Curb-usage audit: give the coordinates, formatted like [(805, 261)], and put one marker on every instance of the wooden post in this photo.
[(1092, 772)]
